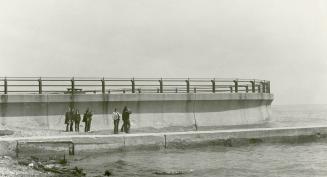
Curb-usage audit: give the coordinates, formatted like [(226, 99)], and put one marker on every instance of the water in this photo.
[(271, 160), (308, 159), (298, 115), (302, 159)]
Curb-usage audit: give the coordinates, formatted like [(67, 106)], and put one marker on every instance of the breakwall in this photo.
[(153, 111), (81, 144)]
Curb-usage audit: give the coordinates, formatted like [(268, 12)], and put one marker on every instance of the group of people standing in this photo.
[(125, 117), (73, 116)]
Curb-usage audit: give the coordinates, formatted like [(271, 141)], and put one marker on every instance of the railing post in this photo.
[(213, 86), (5, 84), (253, 86), (263, 87), (259, 89), (133, 85), (247, 89), (161, 85), (194, 90), (103, 86), (73, 85), (236, 85), (268, 86), (40, 85), (187, 86)]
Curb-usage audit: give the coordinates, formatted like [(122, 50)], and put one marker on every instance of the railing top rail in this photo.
[(129, 78), (72, 85)]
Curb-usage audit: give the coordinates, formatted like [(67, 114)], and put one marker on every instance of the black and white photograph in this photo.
[(163, 88)]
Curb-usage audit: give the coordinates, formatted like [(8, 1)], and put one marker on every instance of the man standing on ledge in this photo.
[(67, 119), (77, 120), (87, 118), (115, 117), (71, 120), (126, 125)]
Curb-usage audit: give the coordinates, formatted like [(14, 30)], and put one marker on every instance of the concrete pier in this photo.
[(75, 144)]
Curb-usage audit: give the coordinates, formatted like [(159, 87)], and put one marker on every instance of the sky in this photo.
[(284, 41)]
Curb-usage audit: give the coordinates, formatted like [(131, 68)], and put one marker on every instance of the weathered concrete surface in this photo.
[(153, 111), (106, 143)]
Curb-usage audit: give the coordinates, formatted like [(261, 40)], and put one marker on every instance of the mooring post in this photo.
[(188, 85), (71, 149), (253, 86), (133, 85), (213, 86), (40, 85), (236, 85), (161, 85), (5, 84), (103, 86)]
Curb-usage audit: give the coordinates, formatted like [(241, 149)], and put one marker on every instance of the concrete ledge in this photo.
[(61, 98), (106, 143)]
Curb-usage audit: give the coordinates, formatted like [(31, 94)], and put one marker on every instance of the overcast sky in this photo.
[(284, 41)]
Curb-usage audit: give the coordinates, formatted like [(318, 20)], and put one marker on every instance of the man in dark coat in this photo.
[(71, 120), (77, 120), (87, 118), (125, 116)]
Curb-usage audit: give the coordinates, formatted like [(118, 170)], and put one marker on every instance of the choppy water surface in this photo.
[(309, 159)]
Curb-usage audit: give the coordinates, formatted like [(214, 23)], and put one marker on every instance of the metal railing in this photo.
[(85, 85)]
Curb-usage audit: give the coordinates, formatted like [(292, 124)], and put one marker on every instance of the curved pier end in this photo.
[(150, 111)]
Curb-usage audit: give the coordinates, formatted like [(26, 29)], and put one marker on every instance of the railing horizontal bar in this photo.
[(89, 85), (57, 85), (21, 85)]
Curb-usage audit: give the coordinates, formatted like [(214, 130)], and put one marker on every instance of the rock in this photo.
[(178, 172), (107, 173)]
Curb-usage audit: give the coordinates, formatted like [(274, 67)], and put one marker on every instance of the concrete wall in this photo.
[(150, 111)]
